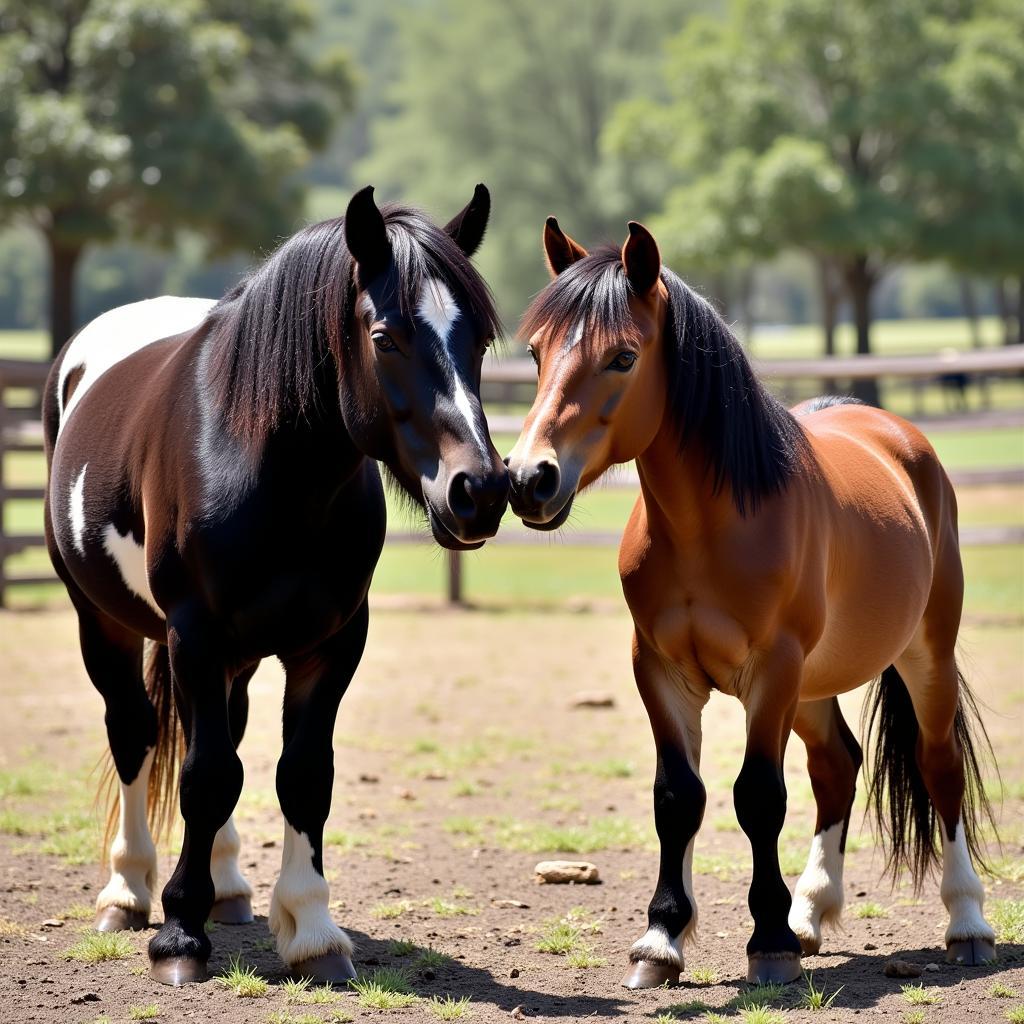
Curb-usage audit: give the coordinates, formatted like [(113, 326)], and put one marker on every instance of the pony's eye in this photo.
[(383, 341), (535, 358), (623, 362)]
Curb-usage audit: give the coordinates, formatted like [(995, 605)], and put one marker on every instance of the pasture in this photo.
[(452, 781)]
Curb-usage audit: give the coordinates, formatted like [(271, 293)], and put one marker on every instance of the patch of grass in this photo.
[(1001, 991), (610, 768), (77, 912), (243, 980), (869, 910), (913, 1017), (286, 1017), (1010, 869), (343, 841), (321, 995), (385, 989), (758, 995), (431, 959), (814, 998), (425, 747), (762, 1014), (558, 937), (16, 823), (725, 823), (1008, 920), (540, 837), (1016, 1015), (150, 1012), (294, 989), (721, 867), (448, 908), (918, 995), (401, 947), (704, 976), (97, 947), (27, 781), (11, 929), (387, 911), (465, 788), (584, 956), (448, 1008)]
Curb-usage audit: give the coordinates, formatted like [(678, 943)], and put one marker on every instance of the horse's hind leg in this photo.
[(833, 759), (232, 893), (113, 659), (933, 682)]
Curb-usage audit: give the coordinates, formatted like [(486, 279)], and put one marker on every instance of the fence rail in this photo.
[(513, 382)]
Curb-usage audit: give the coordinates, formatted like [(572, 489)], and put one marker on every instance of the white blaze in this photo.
[(299, 915), (438, 308), (132, 855)]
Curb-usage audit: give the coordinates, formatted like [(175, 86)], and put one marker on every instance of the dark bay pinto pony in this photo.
[(782, 558), (213, 488)]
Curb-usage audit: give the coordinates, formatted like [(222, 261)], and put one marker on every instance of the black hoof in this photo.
[(120, 919), (778, 968), (328, 969), (232, 910), (647, 974), (178, 970), (971, 952)]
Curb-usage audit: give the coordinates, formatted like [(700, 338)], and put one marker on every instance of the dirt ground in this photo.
[(459, 765)]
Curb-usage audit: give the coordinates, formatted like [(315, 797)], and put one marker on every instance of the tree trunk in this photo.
[(970, 309), (860, 282), (829, 315), (63, 263)]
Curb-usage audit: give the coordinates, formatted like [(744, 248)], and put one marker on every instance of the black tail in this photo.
[(162, 789), (903, 811)]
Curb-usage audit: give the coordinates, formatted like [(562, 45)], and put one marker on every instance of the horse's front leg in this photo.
[(674, 706), (770, 694), (307, 939), (211, 780)]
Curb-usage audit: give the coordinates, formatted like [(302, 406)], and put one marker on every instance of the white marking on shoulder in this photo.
[(77, 511), (118, 333), (130, 559), (437, 307), (299, 914)]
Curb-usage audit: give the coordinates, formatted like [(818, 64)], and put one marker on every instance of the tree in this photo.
[(124, 116), (517, 94), (841, 112)]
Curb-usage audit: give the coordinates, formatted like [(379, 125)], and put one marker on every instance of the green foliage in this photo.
[(97, 947), (243, 979)]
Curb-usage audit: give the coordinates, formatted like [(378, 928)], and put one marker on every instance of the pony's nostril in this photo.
[(547, 479), (460, 496)]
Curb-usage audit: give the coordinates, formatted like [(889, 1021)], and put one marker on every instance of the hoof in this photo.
[(971, 952), (178, 970), (329, 969), (232, 910), (809, 947), (780, 969), (647, 974), (119, 919)]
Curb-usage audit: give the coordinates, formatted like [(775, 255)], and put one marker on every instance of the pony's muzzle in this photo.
[(538, 492), (477, 502)]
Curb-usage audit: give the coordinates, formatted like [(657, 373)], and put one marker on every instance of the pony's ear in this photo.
[(366, 236), (468, 226), (561, 251), (641, 259)]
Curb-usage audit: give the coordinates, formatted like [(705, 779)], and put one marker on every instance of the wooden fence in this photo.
[(513, 382)]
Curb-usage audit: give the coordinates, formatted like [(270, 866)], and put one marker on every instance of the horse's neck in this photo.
[(677, 488)]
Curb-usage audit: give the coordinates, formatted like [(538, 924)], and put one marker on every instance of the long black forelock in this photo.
[(751, 443), (276, 331)]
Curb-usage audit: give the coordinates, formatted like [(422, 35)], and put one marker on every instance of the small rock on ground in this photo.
[(561, 872), (901, 969)]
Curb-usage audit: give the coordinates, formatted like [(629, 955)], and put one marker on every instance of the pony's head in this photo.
[(595, 334), (420, 321)]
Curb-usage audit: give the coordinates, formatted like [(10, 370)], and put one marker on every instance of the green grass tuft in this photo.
[(449, 1008), (97, 947), (385, 989), (762, 1014), (431, 959), (1008, 920), (918, 995), (584, 956), (704, 976), (913, 1017), (681, 1011), (243, 980), (294, 989), (758, 995), (1016, 1015), (814, 998), (447, 908), (869, 910), (150, 1012), (386, 911), (1001, 991), (401, 947)]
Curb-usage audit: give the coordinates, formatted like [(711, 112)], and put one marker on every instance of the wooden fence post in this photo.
[(454, 577)]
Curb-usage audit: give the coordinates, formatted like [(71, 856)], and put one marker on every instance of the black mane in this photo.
[(275, 332), (750, 440)]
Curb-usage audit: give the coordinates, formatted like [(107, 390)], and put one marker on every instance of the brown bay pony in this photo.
[(213, 488), (780, 557)]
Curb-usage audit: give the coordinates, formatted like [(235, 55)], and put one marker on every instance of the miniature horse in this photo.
[(212, 487), (782, 558)]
